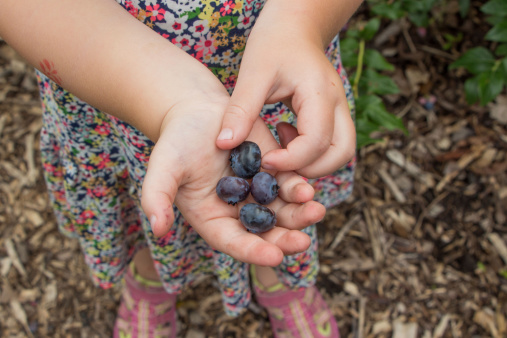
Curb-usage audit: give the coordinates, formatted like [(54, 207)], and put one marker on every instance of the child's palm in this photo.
[(184, 169)]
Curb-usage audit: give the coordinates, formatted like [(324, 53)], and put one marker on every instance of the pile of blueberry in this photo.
[(246, 163)]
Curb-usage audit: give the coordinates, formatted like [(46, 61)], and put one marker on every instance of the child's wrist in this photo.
[(317, 21)]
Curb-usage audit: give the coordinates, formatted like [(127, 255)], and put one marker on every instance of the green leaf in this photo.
[(495, 19), (375, 60), (420, 5), (501, 50), (419, 11), (419, 19), (365, 126), (353, 33), (362, 102), (385, 119), (364, 140), (490, 85), (349, 43), (391, 11), (370, 29), (372, 114), (472, 90), (374, 83), (349, 47), (504, 64), (476, 60), (495, 7), (464, 6), (498, 32)]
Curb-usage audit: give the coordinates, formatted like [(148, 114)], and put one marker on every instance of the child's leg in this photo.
[(144, 267), (266, 276)]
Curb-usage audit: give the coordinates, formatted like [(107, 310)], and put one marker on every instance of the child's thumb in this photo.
[(243, 109), (157, 197)]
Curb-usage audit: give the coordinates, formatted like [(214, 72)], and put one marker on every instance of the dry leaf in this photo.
[(404, 330), (499, 109)]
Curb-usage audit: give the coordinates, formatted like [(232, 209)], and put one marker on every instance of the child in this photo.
[(168, 103)]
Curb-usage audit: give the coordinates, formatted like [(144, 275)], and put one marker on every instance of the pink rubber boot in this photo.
[(299, 313), (146, 310)]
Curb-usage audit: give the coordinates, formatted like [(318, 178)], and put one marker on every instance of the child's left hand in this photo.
[(284, 64)]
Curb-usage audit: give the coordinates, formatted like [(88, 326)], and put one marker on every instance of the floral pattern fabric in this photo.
[(94, 164)]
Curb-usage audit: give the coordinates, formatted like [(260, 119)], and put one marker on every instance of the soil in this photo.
[(418, 250)]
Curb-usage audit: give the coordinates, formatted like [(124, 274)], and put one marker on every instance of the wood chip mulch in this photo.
[(418, 250)]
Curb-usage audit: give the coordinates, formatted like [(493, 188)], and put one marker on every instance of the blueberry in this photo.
[(246, 159), (232, 189), (264, 188), (257, 218)]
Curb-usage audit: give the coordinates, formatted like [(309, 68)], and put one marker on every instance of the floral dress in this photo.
[(95, 164)]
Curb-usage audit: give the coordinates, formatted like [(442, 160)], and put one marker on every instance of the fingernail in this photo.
[(225, 134), (153, 220)]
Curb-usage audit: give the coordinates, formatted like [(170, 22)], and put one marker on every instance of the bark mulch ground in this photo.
[(418, 250)]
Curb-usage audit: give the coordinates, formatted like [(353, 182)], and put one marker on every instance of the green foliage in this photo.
[(369, 82), (489, 69), (464, 6), (371, 115), (451, 40), (418, 12)]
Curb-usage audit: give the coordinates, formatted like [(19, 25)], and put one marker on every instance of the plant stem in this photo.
[(360, 58), (496, 65)]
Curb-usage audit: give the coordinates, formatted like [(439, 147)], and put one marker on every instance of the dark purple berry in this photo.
[(257, 218), (232, 189), (264, 188), (246, 159)]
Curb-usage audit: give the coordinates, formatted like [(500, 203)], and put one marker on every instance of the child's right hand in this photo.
[(186, 165), (115, 63)]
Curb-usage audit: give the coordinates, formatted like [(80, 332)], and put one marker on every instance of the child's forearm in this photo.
[(320, 20), (99, 52)]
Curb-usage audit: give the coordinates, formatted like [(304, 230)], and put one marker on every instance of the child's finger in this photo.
[(341, 150), (316, 121), (227, 235), (244, 107), (307, 151), (293, 188), (289, 241), (299, 216), (159, 190)]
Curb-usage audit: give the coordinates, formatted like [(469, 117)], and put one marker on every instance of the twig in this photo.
[(375, 234), (399, 159), (343, 231), (424, 213), (398, 194), (411, 44), (11, 251), (499, 245), (362, 316), (438, 52), (359, 71), (463, 162), (407, 107)]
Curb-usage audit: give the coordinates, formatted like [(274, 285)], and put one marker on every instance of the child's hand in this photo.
[(186, 165), (281, 64)]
